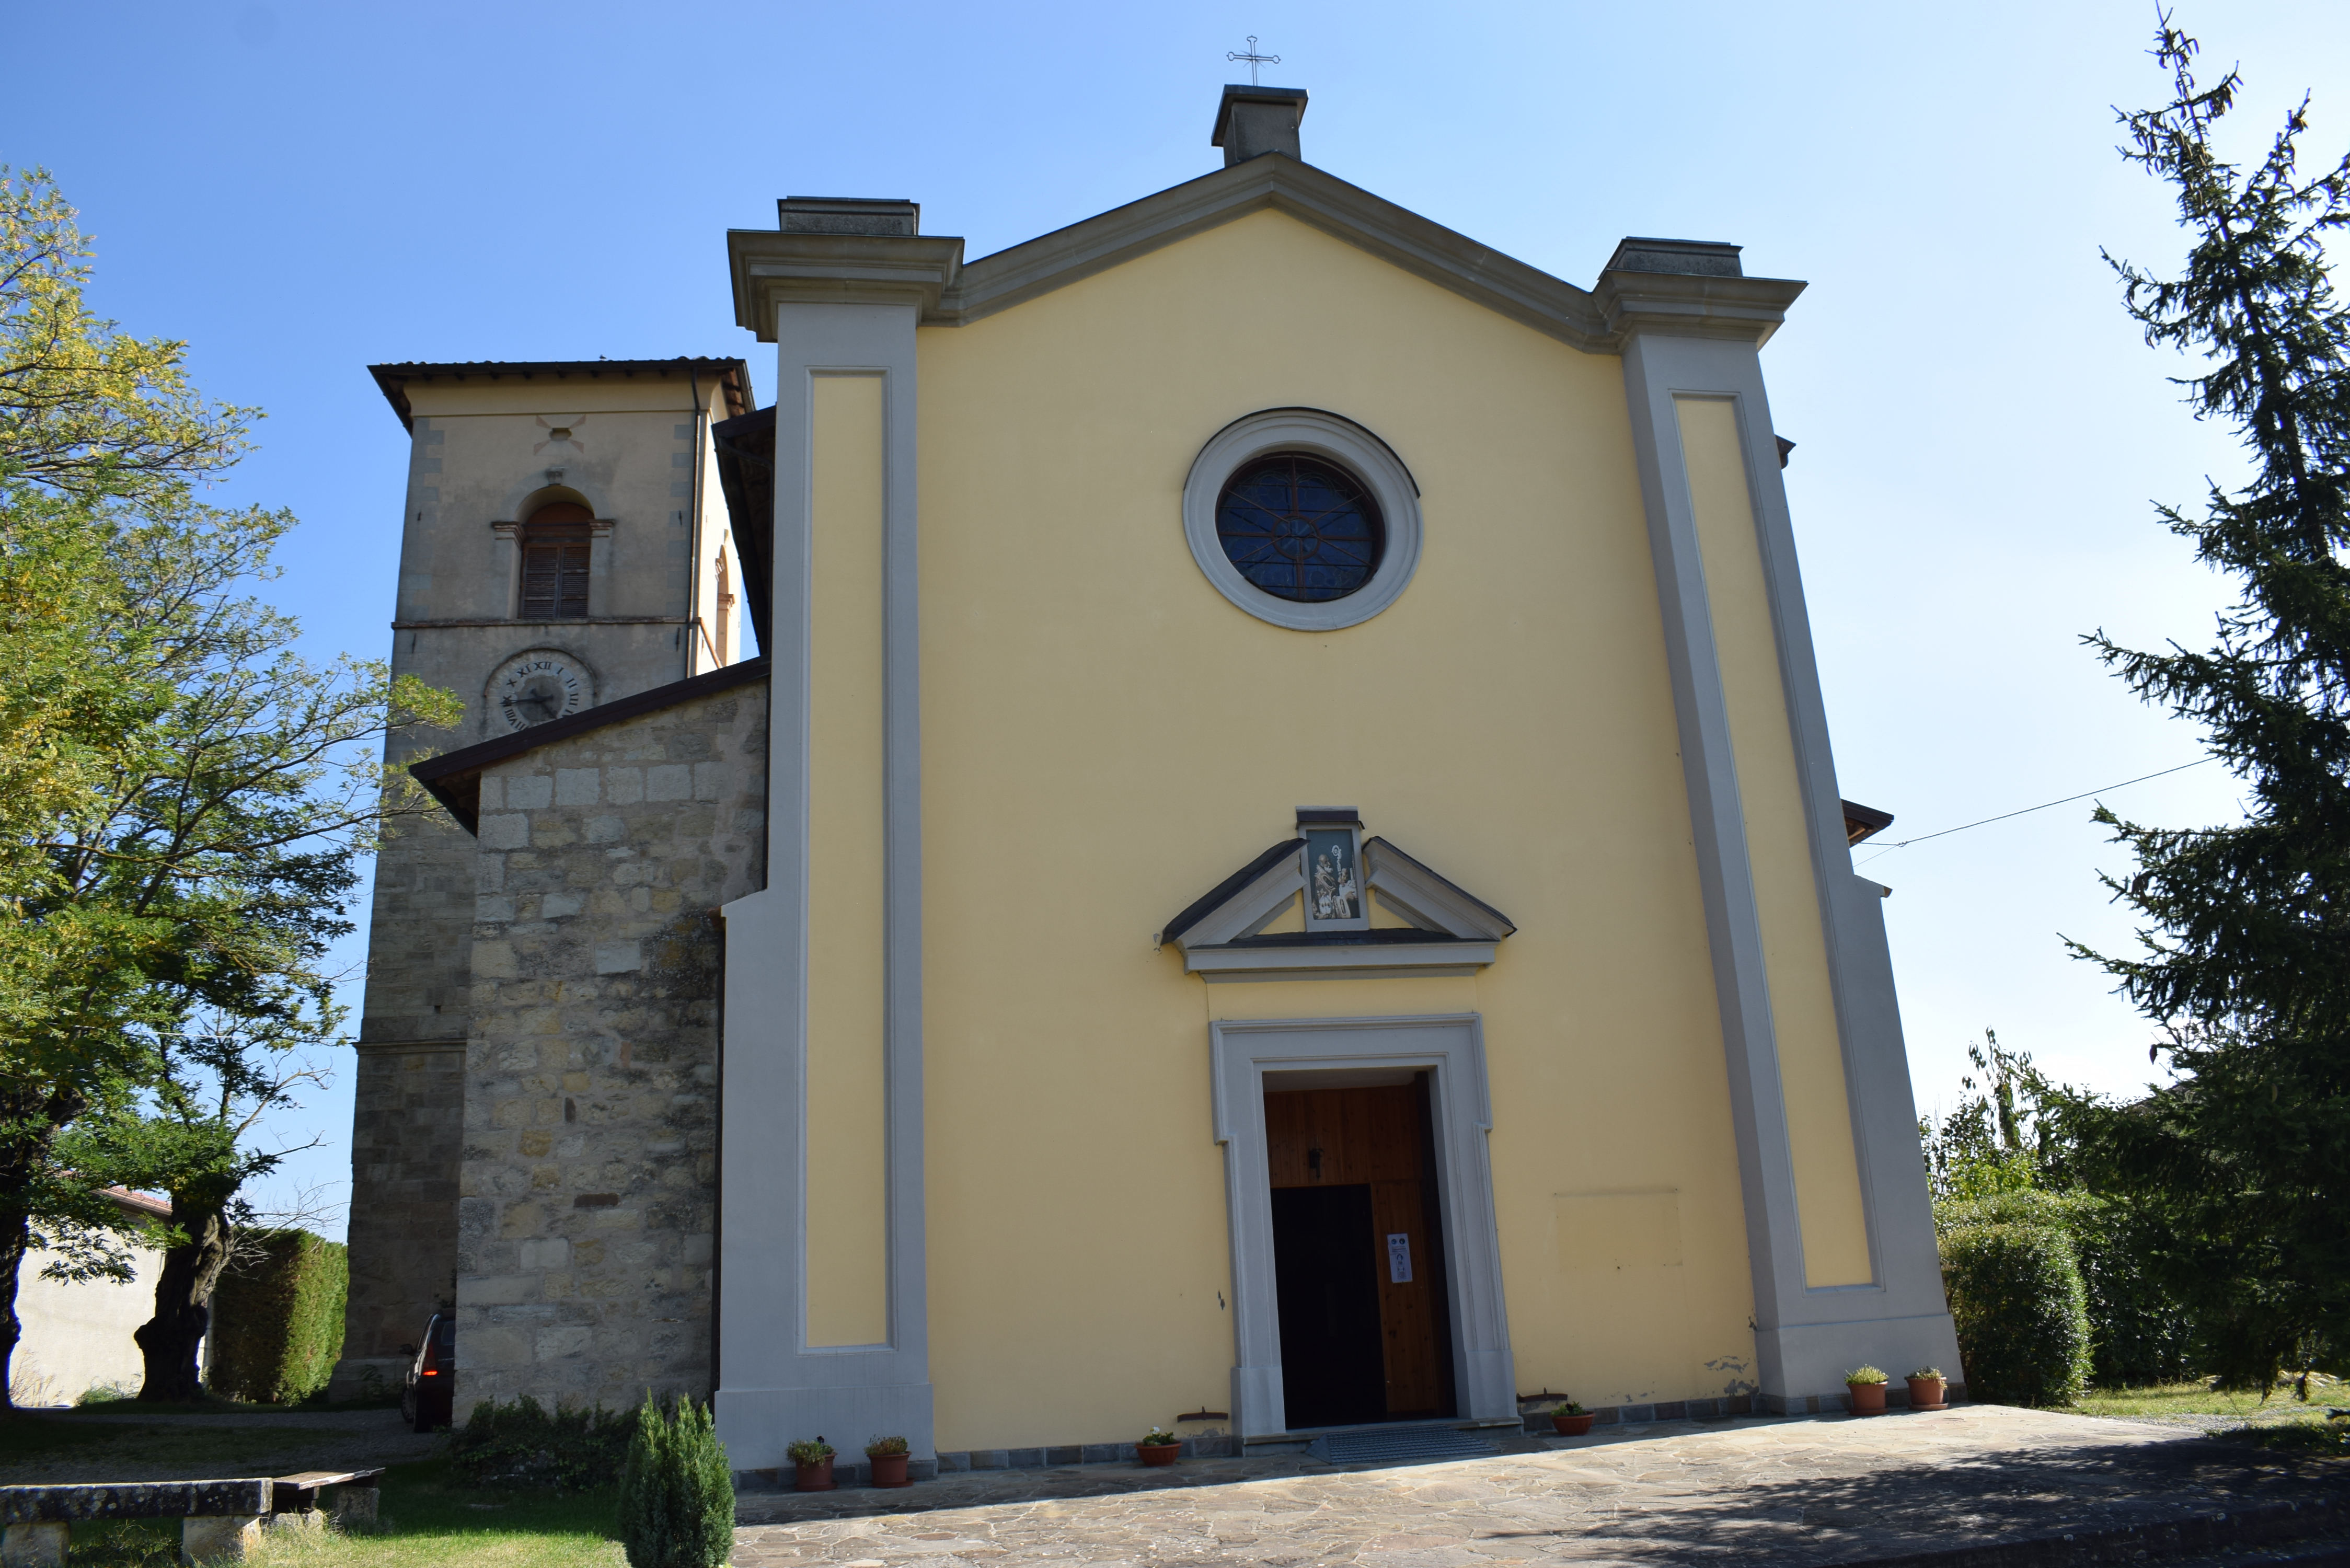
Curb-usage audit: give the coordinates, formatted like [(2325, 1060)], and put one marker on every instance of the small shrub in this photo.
[(677, 1494), (883, 1447), (1864, 1374), (1933, 1372), (525, 1445), (809, 1450), (2023, 1318), (1156, 1439), (126, 1543), (277, 1318)]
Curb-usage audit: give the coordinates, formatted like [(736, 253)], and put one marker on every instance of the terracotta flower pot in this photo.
[(816, 1476), (888, 1469), (1867, 1399), (1158, 1453), (1571, 1426), (1926, 1394)]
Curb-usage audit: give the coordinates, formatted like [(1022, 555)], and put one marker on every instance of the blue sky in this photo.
[(300, 190)]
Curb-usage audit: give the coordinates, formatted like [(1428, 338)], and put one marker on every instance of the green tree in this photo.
[(2244, 955), (183, 799), (209, 1087), (1997, 1140), (85, 410), (89, 419), (197, 884)]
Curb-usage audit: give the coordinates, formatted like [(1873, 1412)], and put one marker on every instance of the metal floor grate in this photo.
[(1423, 1444)]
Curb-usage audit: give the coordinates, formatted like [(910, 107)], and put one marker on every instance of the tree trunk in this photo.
[(15, 1232), (21, 1157), (183, 1301)]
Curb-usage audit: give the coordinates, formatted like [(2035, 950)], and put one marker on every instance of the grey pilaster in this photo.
[(1698, 333), (773, 1387)]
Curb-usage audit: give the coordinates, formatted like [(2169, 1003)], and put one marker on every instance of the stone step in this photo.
[(2315, 1533)]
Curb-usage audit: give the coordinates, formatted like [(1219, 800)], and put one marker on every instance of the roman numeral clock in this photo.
[(538, 685)]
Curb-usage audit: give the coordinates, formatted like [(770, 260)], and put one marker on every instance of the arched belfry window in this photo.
[(555, 563)]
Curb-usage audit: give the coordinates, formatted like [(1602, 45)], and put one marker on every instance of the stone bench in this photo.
[(217, 1518)]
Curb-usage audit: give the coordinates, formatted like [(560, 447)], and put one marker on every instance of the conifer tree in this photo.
[(677, 1494), (2244, 956)]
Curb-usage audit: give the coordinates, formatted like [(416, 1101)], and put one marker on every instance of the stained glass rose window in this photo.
[(1300, 527)]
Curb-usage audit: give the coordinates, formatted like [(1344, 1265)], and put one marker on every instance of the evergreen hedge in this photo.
[(2139, 1333), (278, 1317), (677, 1494), (2022, 1311)]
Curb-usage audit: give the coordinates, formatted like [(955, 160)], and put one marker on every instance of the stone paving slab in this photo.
[(1795, 1491)]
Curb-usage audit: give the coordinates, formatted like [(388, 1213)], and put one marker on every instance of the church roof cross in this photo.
[(1253, 59)]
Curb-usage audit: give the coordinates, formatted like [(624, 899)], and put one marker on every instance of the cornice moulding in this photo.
[(771, 267), (1688, 305), (1433, 959)]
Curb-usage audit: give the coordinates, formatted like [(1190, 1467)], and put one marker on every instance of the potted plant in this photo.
[(1159, 1447), (1926, 1389), (888, 1457), (1867, 1386), (811, 1464), (1572, 1419)]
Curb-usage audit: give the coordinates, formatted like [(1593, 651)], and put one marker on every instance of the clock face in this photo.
[(535, 687)]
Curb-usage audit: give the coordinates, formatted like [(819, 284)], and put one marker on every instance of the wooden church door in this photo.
[(1359, 1255)]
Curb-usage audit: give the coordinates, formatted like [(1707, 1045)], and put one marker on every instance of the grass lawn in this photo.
[(138, 1452), (426, 1521), (211, 1404), (2279, 1421)]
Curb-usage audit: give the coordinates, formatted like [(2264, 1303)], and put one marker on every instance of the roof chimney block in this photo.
[(848, 215), (1695, 258), (1254, 120)]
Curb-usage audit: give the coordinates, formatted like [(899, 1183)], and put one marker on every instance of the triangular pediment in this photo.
[(928, 271), (1445, 929), (1282, 185)]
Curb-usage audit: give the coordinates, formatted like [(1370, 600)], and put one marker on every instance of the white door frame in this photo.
[(1452, 1048)]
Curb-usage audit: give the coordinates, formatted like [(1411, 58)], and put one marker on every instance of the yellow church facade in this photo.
[(1018, 722), (1300, 882)]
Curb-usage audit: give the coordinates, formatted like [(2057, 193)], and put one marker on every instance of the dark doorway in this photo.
[(1331, 1357), (1358, 1254)]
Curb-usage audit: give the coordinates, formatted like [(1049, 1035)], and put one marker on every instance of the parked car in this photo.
[(429, 1396)]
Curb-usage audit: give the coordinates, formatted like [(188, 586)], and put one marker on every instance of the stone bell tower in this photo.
[(563, 543)]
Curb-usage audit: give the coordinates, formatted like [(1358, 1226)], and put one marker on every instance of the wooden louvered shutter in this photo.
[(555, 563)]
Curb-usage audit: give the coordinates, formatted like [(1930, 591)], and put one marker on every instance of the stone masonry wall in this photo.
[(406, 1131), (587, 1208), (409, 1101)]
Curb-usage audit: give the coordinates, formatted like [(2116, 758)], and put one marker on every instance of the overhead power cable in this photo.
[(2028, 810)]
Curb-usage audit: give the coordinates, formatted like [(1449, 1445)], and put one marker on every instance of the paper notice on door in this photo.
[(1398, 1257)]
